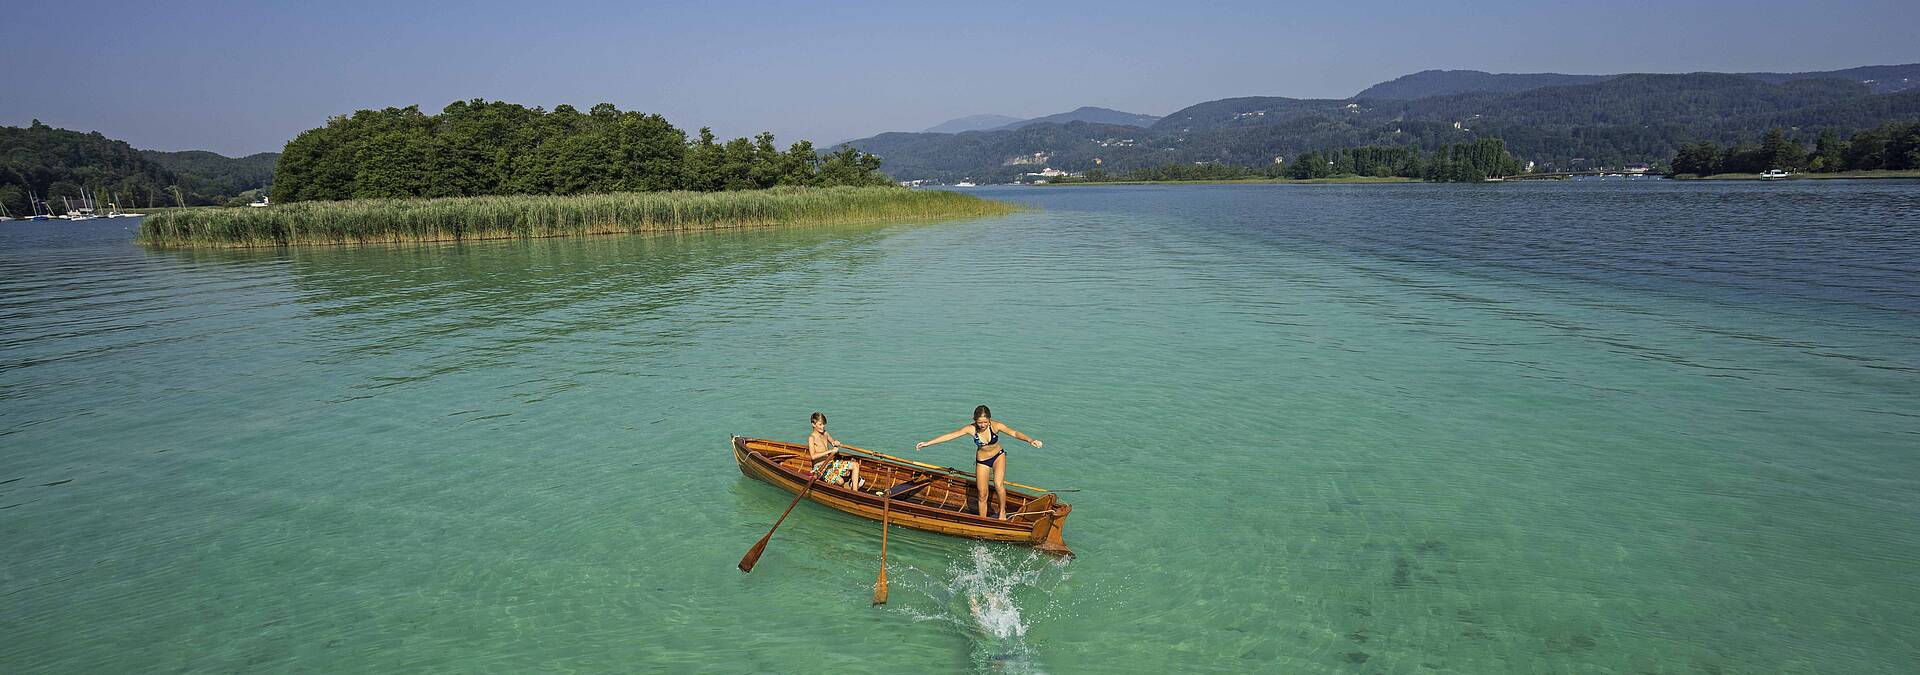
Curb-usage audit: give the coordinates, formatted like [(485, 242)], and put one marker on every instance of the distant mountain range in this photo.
[(972, 123), (1426, 83), (1005, 123), (1558, 120)]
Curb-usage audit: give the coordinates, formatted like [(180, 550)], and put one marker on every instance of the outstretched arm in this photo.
[(1010, 432), (956, 433)]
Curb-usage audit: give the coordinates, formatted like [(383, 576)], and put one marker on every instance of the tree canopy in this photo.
[(481, 147)]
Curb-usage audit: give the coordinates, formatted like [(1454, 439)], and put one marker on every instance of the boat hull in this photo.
[(936, 506)]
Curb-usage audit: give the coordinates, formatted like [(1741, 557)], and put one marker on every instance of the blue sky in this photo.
[(239, 78)]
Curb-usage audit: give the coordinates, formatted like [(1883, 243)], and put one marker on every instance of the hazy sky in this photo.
[(240, 78)]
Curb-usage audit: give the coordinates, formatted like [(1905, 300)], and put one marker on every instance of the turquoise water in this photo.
[(1572, 427)]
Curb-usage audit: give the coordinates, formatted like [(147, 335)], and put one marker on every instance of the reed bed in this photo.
[(364, 221)]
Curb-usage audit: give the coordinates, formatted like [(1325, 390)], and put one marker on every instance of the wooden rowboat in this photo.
[(931, 498)]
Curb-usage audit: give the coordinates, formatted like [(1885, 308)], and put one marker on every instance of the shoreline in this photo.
[(1838, 175), (394, 221), (1247, 181)]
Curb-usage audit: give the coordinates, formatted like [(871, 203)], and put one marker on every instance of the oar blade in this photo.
[(753, 554), (880, 588)]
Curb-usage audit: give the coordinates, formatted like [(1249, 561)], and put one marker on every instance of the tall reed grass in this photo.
[(505, 217)]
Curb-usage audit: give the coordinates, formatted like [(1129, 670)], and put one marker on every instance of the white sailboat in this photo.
[(37, 202), (83, 213), (113, 211)]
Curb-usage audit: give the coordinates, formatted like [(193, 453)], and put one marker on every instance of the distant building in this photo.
[(1049, 172)]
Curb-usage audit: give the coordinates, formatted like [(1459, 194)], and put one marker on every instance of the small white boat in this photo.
[(1773, 174), (964, 183)]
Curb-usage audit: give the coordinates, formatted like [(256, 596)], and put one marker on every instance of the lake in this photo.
[(1592, 426)]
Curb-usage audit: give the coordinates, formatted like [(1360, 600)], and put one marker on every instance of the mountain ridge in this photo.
[(1885, 79), (971, 123), (1085, 113), (1600, 121)]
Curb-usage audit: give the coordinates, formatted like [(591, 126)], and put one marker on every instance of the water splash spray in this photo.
[(982, 595)]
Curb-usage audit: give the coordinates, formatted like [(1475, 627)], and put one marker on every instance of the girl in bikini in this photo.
[(990, 460)]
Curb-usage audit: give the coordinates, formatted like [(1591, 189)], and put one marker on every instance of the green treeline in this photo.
[(1180, 172), (1463, 162), (478, 147), (1894, 146), (58, 166), (1450, 163)]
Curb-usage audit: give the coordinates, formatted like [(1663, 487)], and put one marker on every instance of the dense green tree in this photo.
[(1826, 153), (1779, 153), (1700, 159), (479, 147)]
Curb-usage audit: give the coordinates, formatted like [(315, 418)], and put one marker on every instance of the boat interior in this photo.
[(928, 488)]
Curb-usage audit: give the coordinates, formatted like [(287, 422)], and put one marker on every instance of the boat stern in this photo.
[(1047, 531)]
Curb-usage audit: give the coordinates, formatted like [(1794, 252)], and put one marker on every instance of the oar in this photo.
[(886, 519), (753, 554)]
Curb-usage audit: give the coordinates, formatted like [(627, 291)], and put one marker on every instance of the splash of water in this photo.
[(982, 594)]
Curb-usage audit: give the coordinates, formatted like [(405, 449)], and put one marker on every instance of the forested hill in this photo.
[(1443, 82), (1610, 122), (211, 173), (1087, 114), (1881, 79), (972, 123), (1428, 83), (53, 164)]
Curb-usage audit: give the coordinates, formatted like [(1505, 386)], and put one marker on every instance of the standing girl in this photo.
[(990, 460)]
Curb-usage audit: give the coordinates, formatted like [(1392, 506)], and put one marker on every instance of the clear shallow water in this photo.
[(1597, 427)]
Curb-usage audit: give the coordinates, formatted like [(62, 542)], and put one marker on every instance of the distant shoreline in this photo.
[(1904, 173), (1238, 181)]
